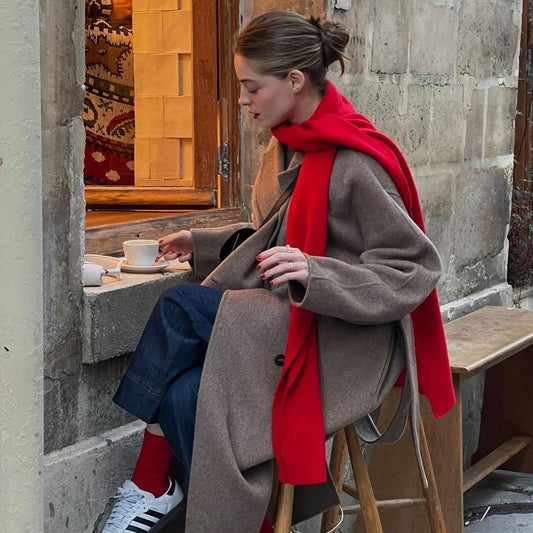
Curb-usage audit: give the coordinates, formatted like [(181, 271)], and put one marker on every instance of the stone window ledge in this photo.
[(114, 314)]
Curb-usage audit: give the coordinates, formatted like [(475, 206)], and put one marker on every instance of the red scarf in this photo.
[(297, 419)]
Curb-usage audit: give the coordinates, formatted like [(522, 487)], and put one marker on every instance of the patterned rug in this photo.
[(108, 112)]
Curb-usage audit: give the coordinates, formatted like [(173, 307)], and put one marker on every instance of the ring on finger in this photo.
[(291, 266), (289, 249)]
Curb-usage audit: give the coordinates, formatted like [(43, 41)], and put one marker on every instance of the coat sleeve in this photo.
[(207, 244), (379, 266)]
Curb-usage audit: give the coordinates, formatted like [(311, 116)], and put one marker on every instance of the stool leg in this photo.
[(433, 506), (336, 467), (284, 508), (369, 509)]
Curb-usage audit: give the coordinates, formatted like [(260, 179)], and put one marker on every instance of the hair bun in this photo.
[(334, 40)]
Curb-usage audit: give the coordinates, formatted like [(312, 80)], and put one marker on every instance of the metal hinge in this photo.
[(223, 161)]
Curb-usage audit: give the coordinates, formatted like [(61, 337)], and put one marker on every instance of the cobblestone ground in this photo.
[(501, 503)]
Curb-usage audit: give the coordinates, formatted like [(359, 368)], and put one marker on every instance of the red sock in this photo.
[(153, 465), (266, 527)]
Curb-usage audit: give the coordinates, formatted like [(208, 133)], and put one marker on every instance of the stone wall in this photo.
[(76, 396), (21, 300), (440, 78)]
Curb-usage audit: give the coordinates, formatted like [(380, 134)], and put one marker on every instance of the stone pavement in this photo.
[(500, 503)]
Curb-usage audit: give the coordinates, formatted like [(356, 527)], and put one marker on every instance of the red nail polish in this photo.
[(263, 276), (258, 258), (258, 267)]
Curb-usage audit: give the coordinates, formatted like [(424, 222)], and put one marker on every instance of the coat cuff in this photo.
[(207, 243)]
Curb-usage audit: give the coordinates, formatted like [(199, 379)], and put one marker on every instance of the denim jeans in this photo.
[(162, 380)]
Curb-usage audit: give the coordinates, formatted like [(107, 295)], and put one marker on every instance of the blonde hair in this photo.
[(280, 41)]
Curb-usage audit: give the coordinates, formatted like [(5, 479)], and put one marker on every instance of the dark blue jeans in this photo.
[(162, 380)]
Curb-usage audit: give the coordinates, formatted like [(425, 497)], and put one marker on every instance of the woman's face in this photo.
[(269, 99)]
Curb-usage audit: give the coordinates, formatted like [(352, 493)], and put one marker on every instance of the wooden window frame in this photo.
[(205, 205)]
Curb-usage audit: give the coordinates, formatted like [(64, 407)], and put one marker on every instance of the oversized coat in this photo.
[(378, 267)]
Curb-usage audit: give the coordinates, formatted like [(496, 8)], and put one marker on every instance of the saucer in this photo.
[(140, 269), (105, 261)]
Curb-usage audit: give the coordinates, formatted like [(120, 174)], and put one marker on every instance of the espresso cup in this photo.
[(140, 252)]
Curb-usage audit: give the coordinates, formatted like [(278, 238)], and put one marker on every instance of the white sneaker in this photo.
[(138, 510)]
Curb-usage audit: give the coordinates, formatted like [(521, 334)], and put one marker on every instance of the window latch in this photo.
[(223, 161)]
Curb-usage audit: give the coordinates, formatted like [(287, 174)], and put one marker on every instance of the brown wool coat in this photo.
[(378, 267)]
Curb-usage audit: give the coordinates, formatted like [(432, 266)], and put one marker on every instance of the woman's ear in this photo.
[(297, 79)]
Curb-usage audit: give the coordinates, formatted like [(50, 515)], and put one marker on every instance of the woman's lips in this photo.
[(255, 115)]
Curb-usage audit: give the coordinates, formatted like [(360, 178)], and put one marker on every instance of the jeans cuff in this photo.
[(137, 399)]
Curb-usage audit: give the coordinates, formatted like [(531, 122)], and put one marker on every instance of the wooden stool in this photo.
[(347, 440), (497, 341)]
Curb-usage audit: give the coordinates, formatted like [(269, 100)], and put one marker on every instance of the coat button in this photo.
[(279, 359)]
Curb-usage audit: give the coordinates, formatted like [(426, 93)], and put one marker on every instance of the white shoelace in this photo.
[(130, 503)]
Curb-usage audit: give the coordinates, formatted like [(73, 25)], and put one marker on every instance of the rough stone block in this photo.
[(378, 100), (479, 255), (64, 61), (487, 38), (96, 411), (414, 125), (304, 7), (432, 50), (79, 481), (78, 399), (452, 308), (391, 33), (437, 196), (475, 120), (501, 113), (472, 403), (112, 324), (482, 208), (448, 122)]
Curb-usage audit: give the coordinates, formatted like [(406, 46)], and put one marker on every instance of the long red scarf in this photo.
[(297, 419)]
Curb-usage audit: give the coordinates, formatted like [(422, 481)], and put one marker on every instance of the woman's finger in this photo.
[(287, 270)]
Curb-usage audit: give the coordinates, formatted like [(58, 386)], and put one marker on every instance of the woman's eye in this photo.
[(253, 91)]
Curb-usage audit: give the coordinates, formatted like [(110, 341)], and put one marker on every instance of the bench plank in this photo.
[(487, 336)]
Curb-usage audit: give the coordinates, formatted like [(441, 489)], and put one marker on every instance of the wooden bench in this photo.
[(495, 340)]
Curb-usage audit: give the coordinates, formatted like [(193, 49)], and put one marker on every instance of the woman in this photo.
[(305, 326)]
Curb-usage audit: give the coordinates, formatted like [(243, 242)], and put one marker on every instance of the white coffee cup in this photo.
[(140, 252)]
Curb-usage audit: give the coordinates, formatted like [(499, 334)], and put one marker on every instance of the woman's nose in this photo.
[(243, 99)]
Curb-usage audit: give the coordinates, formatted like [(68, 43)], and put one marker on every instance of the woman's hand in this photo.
[(283, 263), (176, 246)]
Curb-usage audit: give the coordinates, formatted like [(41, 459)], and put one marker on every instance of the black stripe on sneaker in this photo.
[(156, 514), (131, 527), (144, 521)]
